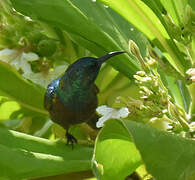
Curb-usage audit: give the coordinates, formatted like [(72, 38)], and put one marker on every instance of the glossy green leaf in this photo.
[(176, 9), (166, 156), (13, 85), (144, 19), (116, 156), (92, 26), (139, 15), (24, 156)]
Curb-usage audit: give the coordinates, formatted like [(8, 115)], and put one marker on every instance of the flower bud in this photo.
[(46, 47), (146, 90), (152, 63), (141, 73), (133, 48), (146, 79)]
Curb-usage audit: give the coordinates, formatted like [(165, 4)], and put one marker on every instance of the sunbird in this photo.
[(72, 98)]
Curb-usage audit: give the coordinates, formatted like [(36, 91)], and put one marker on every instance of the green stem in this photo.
[(160, 81), (160, 36), (191, 89)]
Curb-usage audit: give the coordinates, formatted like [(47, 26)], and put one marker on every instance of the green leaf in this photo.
[(178, 91), (13, 85), (24, 156), (90, 24), (174, 90), (7, 108), (128, 32), (144, 19), (166, 156), (176, 9), (192, 4), (116, 156), (184, 93)]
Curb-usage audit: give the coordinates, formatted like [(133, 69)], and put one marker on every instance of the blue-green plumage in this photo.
[(72, 98)]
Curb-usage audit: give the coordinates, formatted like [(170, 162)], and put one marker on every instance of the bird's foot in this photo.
[(71, 139)]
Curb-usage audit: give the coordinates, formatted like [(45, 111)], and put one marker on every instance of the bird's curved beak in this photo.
[(109, 55)]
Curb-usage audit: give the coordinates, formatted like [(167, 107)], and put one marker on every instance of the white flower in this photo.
[(110, 113), (146, 79), (191, 72), (43, 78), (18, 58), (192, 126)]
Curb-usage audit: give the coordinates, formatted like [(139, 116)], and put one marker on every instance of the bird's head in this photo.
[(86, 69)]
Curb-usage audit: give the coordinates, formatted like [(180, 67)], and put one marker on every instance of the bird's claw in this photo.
[(71, 139)]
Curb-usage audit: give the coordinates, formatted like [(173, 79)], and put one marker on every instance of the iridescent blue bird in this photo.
[(72, 98)]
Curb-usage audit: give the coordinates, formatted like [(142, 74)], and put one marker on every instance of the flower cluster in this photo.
[(24, 44), (155, 105), (191, 73)]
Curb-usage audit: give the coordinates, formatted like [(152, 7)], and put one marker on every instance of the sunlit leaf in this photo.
[(7, 108), (143, 18), (99, 30), (17, 88), (116, 156), (176, 8), (23, 156)]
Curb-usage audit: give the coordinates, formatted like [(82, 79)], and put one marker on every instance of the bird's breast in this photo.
[(73, 108)]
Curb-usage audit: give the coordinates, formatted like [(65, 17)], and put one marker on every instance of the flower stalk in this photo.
[(155, 102)]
